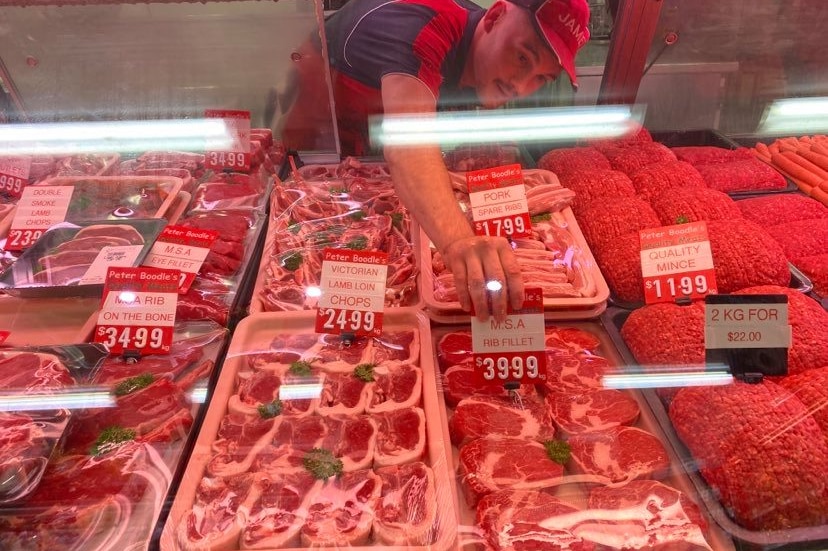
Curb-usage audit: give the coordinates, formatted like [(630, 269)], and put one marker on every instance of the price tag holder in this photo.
[(14, 175), (511, 351), (352, 296), (748, 333), (181, 248), (138, 310), (39, 208), (498, 201), (676, 263), (234, 156)]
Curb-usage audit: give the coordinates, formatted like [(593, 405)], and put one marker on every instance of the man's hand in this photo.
[(479, 265)]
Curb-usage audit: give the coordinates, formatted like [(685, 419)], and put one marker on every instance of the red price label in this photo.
[(509, 226), (12, 186), (523, 367), (147, 339), (358, 322), (235, 152), (667, 288), (18, 240)]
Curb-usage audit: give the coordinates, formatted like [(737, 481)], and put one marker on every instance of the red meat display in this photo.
[(605, 220), (709, 154), (573, 160), (653, 179), (592, 410), (666, 334), (680, 205), (492, 415), (407, 510), (592, 185), (758, 447), (619, 454), (801, 238), (811, 388), (741, 175), (781, 208), (628, 158), (816, 269)]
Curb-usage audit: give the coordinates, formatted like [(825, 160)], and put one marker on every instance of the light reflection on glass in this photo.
[(797, 116), (307, 391), (67, 399), (313, 291), (127, 297), (669, 377)]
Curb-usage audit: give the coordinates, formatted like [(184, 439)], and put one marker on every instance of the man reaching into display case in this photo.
[(415, 57)]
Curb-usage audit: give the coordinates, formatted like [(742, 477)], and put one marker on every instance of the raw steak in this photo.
[(492, 415), (406, 514), (401, 436), (619, 454), (528, 520), (263, 387), (459, 383), (494, 463), (644, 514), (27, 371), (183, 354), (106, 231), (575, 413), (239, 440), (760, 451), (279, 510), (25, 446), (395, 386), (213, 522), (574, 372), (341, 514), (343, 394), (454, 348)]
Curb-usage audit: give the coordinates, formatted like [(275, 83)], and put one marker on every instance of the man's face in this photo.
[(512, 60)]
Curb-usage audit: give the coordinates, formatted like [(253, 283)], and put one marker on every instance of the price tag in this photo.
[(138, 310), (181, 248), (236, 155), (110, 257), (352, 289), (14, 175), (39, 208), (748, 333), (676, 262), (511, 351), (498, 201)]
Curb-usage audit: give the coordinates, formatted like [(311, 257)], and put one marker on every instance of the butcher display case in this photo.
[(267, 422)]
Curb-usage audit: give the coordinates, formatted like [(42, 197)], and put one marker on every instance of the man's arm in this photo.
[(422, 183)]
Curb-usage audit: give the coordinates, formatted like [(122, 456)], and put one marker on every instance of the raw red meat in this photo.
[(342, 514), (492, 415), (27, 371), (26, 442), (231, 225), (279, 510), (183, 355), (781, 208), (528, 520), (460, 382), (399, 346), (401, 436), (571, 339), (575, 413), (212, 523), (239, 439), (655, 516), (593, 185), (395, 386), (619, 454), (607, 219), (620, 262), (801, 238), (709, 154), (666, 334), (577, 372), (69, 258), (493, 463), (759, 449), (816, 269), (105, 231), (207, 299), (811, 387), (263, 387), (630, 158), (741, 175), (220, 195), (653, 179), (809, 341), (679, 205), (87, 243), (573, 160), (343, 394), (406, 514)]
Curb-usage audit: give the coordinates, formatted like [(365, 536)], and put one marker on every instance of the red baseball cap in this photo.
[(564, 25)]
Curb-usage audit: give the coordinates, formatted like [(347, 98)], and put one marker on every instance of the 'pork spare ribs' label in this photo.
[(748, 333), (14, 175), (351, 292), (181, 248), (138, 310), (498, 201), (231, 149), (676, 262), (511, 351), (39, 208)]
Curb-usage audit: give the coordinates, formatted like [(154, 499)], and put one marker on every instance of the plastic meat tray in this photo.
[(254, 334), (815, 537), (47, 321), (576, 491)]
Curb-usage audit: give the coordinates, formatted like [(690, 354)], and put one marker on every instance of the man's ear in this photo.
[(493, 14)]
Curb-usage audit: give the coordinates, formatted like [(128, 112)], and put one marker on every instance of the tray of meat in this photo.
[(87, 165), (104, 488), (118, 197), (315, 441), (766, 492), (47, 321), (69, 259), (33, 418), (556, 257), (315, 211), (480, 156), (227, 191), (552, 466)]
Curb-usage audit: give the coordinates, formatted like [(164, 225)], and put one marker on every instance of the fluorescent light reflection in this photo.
[(306, 391), (127, 297), (108, 136), (516, 125), (668, 377), (198, 394), (69, 399), (795, 116), (313, 291)]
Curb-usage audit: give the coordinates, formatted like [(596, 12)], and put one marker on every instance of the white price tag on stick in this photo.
[(39, 208)]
